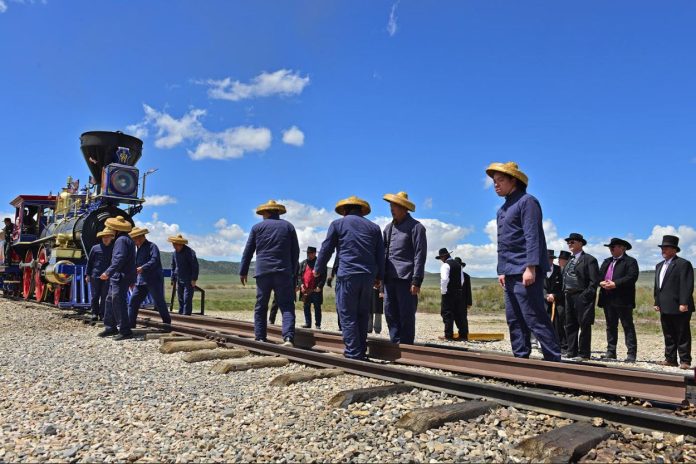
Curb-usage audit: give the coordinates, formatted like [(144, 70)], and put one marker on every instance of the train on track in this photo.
[(46, 252)]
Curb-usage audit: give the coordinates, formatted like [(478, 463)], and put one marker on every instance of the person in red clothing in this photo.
[(311, 289)]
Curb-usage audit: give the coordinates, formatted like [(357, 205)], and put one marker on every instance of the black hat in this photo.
[(670, 241), (552, 254), (577, 237), (564, 255), (459, 260), (311, 249), (618, 241), (442, 253)]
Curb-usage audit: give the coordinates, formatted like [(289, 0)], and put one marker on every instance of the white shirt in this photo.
[(663, 271), (445, 277)]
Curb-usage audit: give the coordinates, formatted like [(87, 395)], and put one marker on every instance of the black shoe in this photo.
[(107, 333), (305, 326), (288, 342), (608, 355), (94, 318), (120, 337), (580, 359), (630, 359), (167, 328)]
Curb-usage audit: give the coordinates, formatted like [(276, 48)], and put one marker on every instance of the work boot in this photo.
[(120, 337), (306, 326), (318, 327), (667, 363), (95, 317), (608, 355), (580, 359), (631, 358), (685, 366), (107, 333), (288, 342)]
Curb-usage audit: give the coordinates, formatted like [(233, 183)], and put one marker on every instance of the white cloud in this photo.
[(283, 82), (487, 182), (159, 200), (293, 136), (392, 25), (170, 132), (428, 203), (3, 6)]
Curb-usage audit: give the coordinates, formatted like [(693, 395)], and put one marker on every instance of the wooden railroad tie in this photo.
[(362, 395), (187, 346), (283, 380), (209, 355), (234, 365), (565, 444), (422, 419)]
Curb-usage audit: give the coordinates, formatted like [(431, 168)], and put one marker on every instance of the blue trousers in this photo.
[(156, 291), (314, 299), (184, 292), (116, 308), (400, 310), (353, 302), (99, 289), (282, 285), (526, 314)]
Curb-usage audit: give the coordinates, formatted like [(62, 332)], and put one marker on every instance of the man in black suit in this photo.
[(674, 299), (553, 295), (466, 301), (617, 295), (580, 280)]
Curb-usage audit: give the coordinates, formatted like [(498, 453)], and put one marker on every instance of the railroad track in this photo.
[(319, 349)]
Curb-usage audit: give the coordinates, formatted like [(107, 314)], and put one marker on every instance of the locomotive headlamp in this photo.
[(119, 180)]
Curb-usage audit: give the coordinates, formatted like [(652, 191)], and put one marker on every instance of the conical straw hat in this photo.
[(400, 199), (353, 201)]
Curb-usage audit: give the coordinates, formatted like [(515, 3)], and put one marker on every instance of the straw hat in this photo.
[(106, 232), (510, 168), (119, 224), (177, 239), (271, 206), (137, 232), (353, 201), (400, 199)]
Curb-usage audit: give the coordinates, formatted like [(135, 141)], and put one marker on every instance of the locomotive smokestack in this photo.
[(101, 148)]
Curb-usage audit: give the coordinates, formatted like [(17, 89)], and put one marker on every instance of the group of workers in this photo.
[(126, 260)]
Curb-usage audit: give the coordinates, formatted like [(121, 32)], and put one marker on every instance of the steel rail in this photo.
[(596, 378), (531, 400)]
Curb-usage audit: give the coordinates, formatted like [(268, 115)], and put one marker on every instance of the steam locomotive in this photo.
[(46, 254)]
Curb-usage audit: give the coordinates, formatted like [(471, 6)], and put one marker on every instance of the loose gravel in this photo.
[(69, 396)]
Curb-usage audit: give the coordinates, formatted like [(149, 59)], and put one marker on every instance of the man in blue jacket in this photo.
[(274, 241), (150, 279), (121, 275), (406, 252), (98, 260), (361, 254), (184, 272), (522, 263)]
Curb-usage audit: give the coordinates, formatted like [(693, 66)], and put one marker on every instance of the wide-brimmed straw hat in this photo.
[(177, 239), (119, 224), (106, 232), (271, 206), (137, 232), (353, 201), (400, 199), (510, 168)]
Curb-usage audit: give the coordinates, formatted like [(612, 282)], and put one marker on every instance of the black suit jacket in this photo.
[(677, 286), (467, 299), (625, 277), (553, 285)]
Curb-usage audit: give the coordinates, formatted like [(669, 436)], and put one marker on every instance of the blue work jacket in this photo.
[(184, 265), (148, 257), (274, 241), (521, 239), (359, 246), (122, 268), (406, 250), (98, 260)]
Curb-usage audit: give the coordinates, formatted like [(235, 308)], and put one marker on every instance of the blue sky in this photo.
[(595, 100)]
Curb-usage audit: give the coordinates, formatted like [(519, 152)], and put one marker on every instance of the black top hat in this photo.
[(311, 249), (442, 253), (618, 241), (670, 241), (552, 254), (577, 237), (459, 260), (564, 255)]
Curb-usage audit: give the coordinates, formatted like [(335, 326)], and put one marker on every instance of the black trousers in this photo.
[(613, 315), (462, 318), (677, 331), (578, 325), (449, 310), (558, 321)]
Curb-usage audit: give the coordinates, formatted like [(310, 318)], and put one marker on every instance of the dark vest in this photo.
[(571, 282), (455, 277)]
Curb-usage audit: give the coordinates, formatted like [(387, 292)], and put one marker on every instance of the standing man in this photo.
[(522, 263), (9, 227), (555, 301), (563, 258), (617, 295), (406, 252), (361, 254), (467, 301), (450, 293), (674, 299), (121, 275), (580, 281), (150, 277), (98, 260), (184, 272), (277, 252), (311, 289)]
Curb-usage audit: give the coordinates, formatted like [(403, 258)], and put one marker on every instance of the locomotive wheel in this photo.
[(40, 285), (27, 280)]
